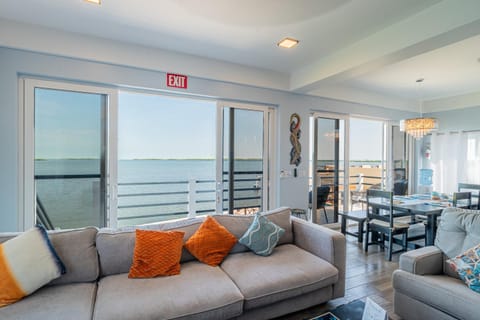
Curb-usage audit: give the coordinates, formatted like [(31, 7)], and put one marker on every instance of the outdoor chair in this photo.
[(322, 197), (381, 225), (400, 187)]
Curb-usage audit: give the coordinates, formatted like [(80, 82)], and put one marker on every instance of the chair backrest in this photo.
[(400, 187), (322, 196), (458, 196), (380, 200), (474, 188)]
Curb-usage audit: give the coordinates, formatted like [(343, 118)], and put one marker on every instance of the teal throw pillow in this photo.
[(262, 236), (467, 266)]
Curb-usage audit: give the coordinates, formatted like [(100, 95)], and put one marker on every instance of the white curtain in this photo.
[(471, 169), (449, 161)]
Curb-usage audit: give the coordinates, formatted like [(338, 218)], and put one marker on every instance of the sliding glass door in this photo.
[(242, 158), (328, 196), (101, 157), (67, 145)]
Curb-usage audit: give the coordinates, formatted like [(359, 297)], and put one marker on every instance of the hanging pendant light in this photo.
[(421, 126)]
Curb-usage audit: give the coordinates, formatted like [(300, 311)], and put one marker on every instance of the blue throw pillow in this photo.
[(467, 266), (262, 236)]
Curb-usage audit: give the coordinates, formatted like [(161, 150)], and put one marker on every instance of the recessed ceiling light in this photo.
[(288, 43), (94, 1)]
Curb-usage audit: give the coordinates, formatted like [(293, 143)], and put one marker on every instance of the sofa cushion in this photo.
[(115, 247), (69, 301), (288, 272), (442, 292), (467, 265), (157, 253), (262, 236), (238, 225), (76, 248), (211, 242), (199, 292), (27, 263), (458, 231)]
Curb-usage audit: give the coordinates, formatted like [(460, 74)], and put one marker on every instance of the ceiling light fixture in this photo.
[(288, 43), (419, 127), (99, 2)]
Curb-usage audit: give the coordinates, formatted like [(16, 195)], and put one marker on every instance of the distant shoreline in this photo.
[(150, 159), (187, 159)]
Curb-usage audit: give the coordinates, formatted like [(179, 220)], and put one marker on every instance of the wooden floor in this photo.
[(367, 275)]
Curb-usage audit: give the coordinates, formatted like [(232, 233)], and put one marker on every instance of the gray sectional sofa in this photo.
[(306, 268), (425, 287)]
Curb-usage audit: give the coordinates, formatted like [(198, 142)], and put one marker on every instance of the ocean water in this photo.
[(148, 190)]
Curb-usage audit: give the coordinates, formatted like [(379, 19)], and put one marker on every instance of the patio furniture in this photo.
[(400, 187), (300, 213), (381, 222), (322, 197)]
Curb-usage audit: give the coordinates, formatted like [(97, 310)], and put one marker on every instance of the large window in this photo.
[(166, 148), (97, 156)]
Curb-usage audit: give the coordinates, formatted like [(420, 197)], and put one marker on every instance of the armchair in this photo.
[(425, 287)]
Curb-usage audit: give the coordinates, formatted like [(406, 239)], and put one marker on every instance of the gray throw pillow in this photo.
[(262, 236)]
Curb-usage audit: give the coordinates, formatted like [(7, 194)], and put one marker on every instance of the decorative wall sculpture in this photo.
[(296, 152)]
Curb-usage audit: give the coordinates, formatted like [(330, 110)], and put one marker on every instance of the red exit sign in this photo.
[(177, 80)]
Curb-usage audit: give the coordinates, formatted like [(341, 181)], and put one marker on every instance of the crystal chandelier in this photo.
[(419, 127)]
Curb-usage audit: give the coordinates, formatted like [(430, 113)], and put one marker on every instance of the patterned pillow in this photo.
[(156, 253), (262, 236), (467, 265), (27, 262), (211, 242)]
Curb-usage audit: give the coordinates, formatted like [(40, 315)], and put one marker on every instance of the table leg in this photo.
[(431, 228)]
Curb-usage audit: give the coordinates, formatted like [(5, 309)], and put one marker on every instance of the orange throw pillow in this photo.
[(156, 253), (211, 242)]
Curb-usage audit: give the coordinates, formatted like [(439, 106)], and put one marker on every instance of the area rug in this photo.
[(350, 311)]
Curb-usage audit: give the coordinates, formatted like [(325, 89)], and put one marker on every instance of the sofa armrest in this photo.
[(324, 243), (427, 260)]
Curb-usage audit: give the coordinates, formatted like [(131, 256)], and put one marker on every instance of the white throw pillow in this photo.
[(27, 262)]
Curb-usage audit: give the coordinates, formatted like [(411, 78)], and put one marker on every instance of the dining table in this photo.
[(418, 205)]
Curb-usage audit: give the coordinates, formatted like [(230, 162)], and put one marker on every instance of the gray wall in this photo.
[(291, 192)]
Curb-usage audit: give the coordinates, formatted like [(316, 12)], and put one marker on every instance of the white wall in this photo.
[(291, 192)]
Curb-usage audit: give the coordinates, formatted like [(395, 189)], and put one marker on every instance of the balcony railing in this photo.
[(165, 200), (146, 202)]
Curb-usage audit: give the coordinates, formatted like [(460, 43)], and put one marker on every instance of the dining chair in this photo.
[(462, 199), (474, 189), (381, 224), (322, 197)]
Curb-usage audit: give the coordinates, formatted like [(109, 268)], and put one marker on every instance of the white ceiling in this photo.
[(378, 47)]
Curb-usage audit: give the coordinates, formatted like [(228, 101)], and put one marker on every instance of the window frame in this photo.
[(26, 167)]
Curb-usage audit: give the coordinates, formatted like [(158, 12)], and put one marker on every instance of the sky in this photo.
[(366, 138), (68, 125)]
